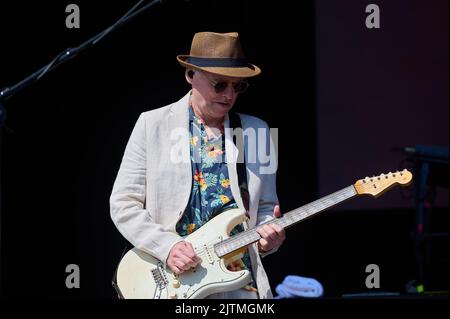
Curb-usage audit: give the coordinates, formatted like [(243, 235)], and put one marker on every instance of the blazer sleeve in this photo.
[(128, 199), (268, 198)]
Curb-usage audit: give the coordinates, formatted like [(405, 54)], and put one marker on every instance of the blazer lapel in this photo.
[(180, 159)]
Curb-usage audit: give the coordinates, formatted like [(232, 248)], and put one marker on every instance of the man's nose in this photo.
[(229, 92)]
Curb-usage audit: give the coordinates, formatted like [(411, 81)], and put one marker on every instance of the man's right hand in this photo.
[(182, 257)]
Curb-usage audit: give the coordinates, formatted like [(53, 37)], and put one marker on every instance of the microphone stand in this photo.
[(61, 58)]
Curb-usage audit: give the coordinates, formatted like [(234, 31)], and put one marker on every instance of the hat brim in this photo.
[(241, 72)]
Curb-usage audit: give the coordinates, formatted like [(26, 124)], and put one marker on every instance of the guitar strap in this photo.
[(238, 140)]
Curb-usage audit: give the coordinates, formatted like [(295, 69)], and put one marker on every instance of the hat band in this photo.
[(218, 62)]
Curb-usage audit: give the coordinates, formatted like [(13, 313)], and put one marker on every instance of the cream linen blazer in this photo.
[(154, 182)]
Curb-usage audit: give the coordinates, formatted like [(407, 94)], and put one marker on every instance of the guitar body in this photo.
[(141, 276)]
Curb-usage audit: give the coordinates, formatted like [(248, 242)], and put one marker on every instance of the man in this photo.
[(160, 196)]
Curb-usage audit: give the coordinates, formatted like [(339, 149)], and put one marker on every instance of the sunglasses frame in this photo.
[(219, 86), (219, 89)]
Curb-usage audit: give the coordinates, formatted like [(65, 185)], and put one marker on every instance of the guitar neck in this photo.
[(250, 236)]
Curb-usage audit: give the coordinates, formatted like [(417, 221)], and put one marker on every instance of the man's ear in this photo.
[(189, 74)]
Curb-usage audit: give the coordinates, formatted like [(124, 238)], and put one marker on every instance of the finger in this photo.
[(190, 252), (175, 269), (181, 264), (278, 229), (187, 262), (262, 232), (264, 245), (271, 233), (276, 211), (178, 271), (282, 234), (180, 260)]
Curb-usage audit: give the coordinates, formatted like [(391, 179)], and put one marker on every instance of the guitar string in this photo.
[(317, 205), (291, 217), (230, 243)]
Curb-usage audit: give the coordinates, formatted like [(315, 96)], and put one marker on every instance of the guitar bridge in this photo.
[(159, 277)]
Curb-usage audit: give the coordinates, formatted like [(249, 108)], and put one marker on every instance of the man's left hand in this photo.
[(272, 234)]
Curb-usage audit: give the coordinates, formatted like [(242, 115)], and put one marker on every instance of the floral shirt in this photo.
[(211, 191)]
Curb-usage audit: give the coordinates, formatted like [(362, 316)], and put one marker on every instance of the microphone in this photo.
[(438, 152)]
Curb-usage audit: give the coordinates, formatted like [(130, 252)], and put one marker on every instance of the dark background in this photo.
[(341, 95)]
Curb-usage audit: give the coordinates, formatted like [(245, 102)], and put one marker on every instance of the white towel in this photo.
[(296, 286)]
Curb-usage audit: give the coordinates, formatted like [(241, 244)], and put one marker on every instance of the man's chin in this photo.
[(223, 107)]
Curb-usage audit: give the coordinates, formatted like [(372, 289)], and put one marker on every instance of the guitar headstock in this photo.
[(377, 185)]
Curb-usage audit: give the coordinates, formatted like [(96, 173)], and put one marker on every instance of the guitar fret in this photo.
[(250, 236)]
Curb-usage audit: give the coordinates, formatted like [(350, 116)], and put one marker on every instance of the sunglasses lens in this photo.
[(220, 87), (241, 86)]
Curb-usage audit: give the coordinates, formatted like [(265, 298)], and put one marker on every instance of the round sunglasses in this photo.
[(221, 86)]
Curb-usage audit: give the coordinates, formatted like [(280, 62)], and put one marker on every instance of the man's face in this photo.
[(216, 94)]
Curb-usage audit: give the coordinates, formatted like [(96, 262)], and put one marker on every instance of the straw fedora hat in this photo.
[(218, 53)]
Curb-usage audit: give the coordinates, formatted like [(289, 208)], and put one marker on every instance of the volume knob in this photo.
[(173, 295)]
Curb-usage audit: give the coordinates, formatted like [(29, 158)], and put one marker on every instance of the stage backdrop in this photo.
[(379, 90), (324, 77)]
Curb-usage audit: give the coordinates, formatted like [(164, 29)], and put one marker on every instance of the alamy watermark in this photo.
[(73, 279), (261, 146), (373, 279), (373, 19), (73, 19)]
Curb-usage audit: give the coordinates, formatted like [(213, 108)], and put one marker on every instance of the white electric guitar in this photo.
[(141, 276)]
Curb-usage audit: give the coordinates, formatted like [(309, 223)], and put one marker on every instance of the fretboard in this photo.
[(250, 236)]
